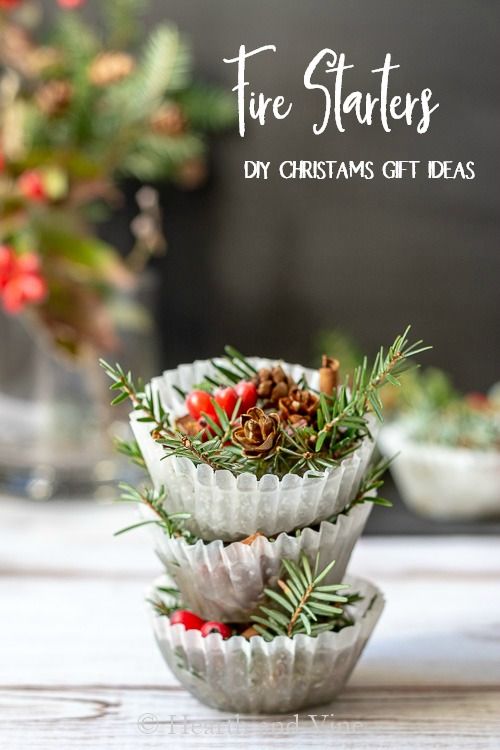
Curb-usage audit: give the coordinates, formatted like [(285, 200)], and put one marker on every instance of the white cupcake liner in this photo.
[(280, 676), (225, 583), (228, 507), (442, 481)]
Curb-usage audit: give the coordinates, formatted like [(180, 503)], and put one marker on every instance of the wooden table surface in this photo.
[(79, 667)]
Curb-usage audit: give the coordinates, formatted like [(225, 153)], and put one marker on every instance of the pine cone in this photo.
[(54, 97), (110, 67), (299, 407), (259, 433), (273, 384), (168, 120)]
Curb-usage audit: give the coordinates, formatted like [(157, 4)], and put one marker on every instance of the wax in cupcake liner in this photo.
[(228, 507), (280, 676), (443, 481), (225, 582)]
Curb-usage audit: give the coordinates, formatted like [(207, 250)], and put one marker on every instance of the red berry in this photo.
[(31, 185), (28, 263), (247, 391), (7, 264), (33, 287), (216, 627), (199, 403), (21, 282), (186, 618), (70, 3), (226, 398), (477, 400), (10, 4)]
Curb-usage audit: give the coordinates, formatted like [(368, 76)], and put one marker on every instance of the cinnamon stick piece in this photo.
[(328, 375)]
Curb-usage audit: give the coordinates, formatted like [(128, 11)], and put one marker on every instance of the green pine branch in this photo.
[(206, 108), (166, 600), (130, 449), (171, 523), (164, 68), (347, 411), (370, 484), (156, 156), (303, 604), (213, 452)]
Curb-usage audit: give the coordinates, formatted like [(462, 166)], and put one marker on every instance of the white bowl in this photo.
[(228, 507), (225, 583), (441, 481), (257, 676)]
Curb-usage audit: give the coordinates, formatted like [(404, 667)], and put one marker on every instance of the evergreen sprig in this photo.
[(230, 369), (171, 523), (304, 605), (369, 486), (342, 420), (346, 412), (166, 601), (130, 449)]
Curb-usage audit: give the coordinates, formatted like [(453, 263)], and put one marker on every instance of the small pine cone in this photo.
[(259, 433), (54, 97), (168, 120), (273, 384), (110, 67), (299, 407)]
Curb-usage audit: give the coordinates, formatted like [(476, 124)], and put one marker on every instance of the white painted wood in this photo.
[(79, 666)]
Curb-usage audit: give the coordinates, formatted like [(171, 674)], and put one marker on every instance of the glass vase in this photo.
[(56, 424)]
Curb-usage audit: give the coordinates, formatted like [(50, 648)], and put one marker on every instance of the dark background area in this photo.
[(264, 265)]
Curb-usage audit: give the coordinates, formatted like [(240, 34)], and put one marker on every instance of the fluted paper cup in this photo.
[(225, 582), (228, 507), (441, 481), (280, 676)]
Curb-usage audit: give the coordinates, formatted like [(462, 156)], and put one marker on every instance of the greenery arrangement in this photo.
[(262, 422), (299, 603), (440, 414), (80, 108), (303, 604)]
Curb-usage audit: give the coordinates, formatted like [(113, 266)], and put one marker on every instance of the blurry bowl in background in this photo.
[(441, 481)]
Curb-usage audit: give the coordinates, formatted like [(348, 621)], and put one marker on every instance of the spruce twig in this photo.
[(171, 523), (131, 450), (369, 485), (304, 606)]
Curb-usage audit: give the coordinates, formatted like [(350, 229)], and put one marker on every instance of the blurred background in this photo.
[(271, 267)]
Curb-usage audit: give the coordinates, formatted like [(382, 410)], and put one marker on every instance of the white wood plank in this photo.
[(79, 664), (72, 538), (375, 719)]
